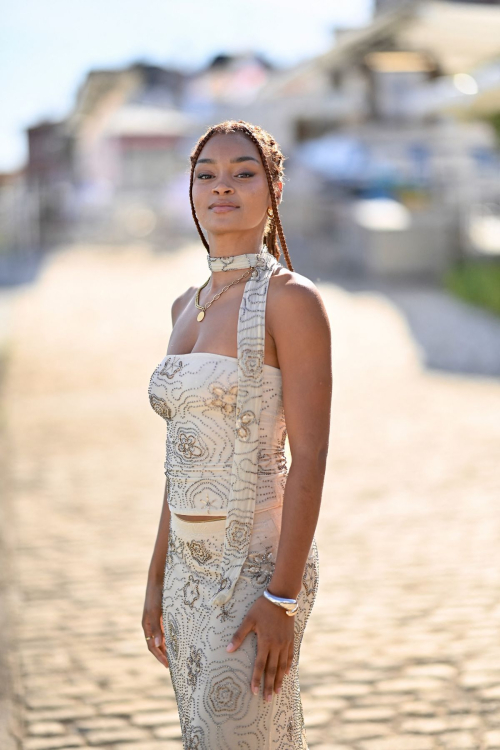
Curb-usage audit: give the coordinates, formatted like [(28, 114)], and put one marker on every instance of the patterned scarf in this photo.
[(251, 338)]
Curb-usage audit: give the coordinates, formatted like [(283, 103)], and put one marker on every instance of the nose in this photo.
[(222, 189)]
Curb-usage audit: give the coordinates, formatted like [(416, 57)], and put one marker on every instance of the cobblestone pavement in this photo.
[(402, 650), (10, 728)]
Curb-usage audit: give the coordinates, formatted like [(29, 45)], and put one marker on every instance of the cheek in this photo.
[(199, 192), (256, 196)]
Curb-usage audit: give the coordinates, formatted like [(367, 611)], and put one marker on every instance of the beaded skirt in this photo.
[(217, 709)]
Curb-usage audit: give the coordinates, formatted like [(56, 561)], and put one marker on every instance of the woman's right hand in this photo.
[(152, 622)]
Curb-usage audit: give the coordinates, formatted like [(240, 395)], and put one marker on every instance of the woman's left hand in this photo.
[(275, 637)]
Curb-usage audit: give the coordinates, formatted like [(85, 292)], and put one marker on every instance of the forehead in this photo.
[(229, 146)]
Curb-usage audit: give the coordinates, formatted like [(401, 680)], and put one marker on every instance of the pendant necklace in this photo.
[(203, 308)]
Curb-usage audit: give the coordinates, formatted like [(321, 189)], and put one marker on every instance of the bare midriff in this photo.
[(199, 518)]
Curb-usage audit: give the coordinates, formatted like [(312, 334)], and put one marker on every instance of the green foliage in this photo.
[(494, 120), (477, 282)]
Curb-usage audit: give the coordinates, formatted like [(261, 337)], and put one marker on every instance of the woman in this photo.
[(234, 571)]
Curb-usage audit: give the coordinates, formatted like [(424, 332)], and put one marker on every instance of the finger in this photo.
[(239, 636), (270, 676), (156, 645), (159, 643), (280, 672), (160, 654), (258, 667)]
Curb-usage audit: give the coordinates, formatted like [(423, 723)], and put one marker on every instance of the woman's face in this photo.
[(229, 169)]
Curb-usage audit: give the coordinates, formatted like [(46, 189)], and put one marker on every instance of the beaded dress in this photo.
[(225, 456)]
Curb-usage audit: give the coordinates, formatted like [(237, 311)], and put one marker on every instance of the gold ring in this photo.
[(148, 637)]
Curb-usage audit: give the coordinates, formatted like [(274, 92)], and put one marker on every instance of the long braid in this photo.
[(276, 220), (262, 140), (194, 159)]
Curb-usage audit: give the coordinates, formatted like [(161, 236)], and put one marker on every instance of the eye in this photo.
[(205, 174)]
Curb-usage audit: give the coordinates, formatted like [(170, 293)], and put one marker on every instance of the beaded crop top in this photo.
[(226, 430)]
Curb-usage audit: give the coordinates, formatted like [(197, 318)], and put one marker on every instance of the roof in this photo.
[(459, 36)]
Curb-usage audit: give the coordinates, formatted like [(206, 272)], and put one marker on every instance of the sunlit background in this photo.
[(388, 116), (388, 113)]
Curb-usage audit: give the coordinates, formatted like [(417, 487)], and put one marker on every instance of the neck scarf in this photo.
[(251, 337)]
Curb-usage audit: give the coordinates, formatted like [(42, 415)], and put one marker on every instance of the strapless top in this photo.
[(225, 424), (196, 394)]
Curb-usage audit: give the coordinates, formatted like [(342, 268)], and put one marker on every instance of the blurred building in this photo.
[(117, 165), (19, 226), (381, 117), (389, 136), (117, 144)]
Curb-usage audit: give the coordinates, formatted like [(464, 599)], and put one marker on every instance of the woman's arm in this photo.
[(152, 613), (158, 559), (301, 332), (303, 343)]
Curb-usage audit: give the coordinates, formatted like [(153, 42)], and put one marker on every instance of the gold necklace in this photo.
[(203, 308)]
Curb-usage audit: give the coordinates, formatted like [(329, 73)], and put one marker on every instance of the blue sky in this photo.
[(47, 48)]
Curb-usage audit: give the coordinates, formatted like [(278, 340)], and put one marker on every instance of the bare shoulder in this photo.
[(298, 323), (180, 302), (293, 295)]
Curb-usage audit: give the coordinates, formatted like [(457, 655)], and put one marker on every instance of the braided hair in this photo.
[(272, 161)]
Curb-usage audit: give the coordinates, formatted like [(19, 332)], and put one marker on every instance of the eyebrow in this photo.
[(231, 161)]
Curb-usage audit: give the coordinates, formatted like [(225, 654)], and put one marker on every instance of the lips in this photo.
[(223, 207)]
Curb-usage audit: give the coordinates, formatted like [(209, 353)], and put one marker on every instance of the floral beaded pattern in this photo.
[(242, 422), (260, 566), (191, 591), (199, 406), (225, 452), (223, 398), (194, 665), (217, 437), (199, 551), (205, 456), (238, 535), (171, 367), (212, 688), (160, 406), (251, 362), (188, 446)]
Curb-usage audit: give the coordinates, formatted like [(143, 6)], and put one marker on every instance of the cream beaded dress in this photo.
[(225, 456)]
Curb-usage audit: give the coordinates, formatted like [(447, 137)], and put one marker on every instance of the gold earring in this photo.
[(270, 212)]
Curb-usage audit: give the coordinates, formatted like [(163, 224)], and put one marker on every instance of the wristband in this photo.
[(289, 605)]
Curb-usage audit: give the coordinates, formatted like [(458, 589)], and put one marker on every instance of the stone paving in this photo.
[(402, 649)]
